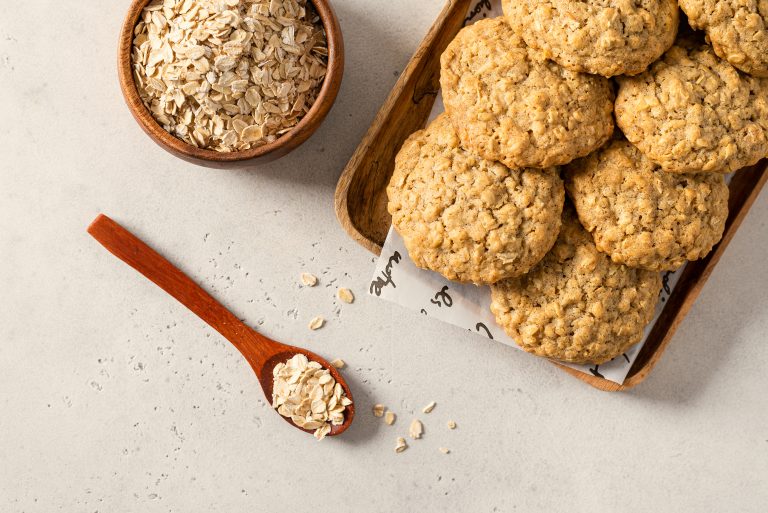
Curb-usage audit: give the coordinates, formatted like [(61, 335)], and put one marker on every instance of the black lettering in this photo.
[(480, 327), (596, 372), (477, 9), (386, 275), (442, 298)]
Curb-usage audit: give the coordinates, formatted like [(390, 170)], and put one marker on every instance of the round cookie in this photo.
[(692, 111), (577, 305), (470, 219), (642, 216), (511, 105), (603, 37), (738, 30)]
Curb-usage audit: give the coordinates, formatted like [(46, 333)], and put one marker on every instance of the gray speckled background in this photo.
[(113, 398)]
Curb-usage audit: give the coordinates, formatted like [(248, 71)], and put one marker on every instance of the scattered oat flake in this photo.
[(338, 363), (346, 295), (451, 424), (310, 280), (378, 410), (401, 445), (316, 323), (389, 418), (416, 429), (444, 450), (428, 408)]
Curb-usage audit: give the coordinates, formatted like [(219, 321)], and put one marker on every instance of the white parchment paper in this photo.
[(397, 279)]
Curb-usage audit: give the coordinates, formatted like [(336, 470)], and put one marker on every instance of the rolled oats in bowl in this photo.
[(229, 75)]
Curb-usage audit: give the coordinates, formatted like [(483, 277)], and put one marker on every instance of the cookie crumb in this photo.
[(416, 429), (346, 295), (310, 280), (316, 323), (428, 408)]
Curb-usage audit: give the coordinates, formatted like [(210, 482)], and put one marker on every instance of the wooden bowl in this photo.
[(239, 159)]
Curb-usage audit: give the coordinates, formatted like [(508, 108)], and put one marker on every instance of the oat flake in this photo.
[(309, 280), (346, 295), (416, 429), (316, 323)]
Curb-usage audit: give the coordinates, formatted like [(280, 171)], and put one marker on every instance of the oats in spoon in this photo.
[(306, 393)]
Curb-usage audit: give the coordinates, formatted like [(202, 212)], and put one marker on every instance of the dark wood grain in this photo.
[(239, 159), (261, 352), (361, 197)]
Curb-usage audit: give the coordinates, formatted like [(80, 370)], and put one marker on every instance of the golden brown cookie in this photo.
[(737, 29), (511, 105), (642, 216), (603, 37), (577, 305), (692, 111), (470, 219)]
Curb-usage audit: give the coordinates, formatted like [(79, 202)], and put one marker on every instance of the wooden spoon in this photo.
[(262, 353)]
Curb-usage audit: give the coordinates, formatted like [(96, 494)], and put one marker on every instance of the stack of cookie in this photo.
[(478, 195)]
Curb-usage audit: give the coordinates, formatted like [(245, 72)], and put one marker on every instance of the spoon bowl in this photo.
[(262, 353), (265, 378)]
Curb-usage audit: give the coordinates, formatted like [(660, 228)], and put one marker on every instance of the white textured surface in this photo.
[(113, 398)]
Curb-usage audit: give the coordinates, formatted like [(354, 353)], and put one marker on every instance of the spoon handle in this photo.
[(131, 250)]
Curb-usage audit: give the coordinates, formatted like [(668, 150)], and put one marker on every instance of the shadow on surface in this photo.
[(365, 425)]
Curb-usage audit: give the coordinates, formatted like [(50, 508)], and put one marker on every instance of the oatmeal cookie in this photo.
[(603, 37), (577, 305), (692, 111), (470, 219), (511, 105), (642, 216), (738, 30)]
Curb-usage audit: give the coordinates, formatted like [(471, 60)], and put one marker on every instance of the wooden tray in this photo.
[(361, 198)]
